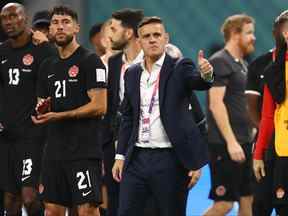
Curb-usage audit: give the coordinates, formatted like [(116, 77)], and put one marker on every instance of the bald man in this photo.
[(21, 142)]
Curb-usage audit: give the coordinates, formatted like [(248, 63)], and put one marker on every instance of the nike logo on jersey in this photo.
[(85, 194), (4, 61), (24, 178), (51, 75)]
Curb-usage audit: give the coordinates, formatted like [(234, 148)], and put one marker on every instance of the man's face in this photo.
[(284, 30), (44, 28), (153, 39), (117, 35), (63, 29), (13, 21), (96, 41), (247, 39)]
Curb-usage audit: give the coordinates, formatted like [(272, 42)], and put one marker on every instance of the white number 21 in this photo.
[(60, 89)]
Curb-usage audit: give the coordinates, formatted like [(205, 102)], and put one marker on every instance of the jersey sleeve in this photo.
[(222, 71), (2, 57), (42, 85), (46, 50), (266, 128), (253, 82), (95, 72)]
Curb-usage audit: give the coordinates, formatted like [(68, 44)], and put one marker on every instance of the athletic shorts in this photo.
[(20, 162), (280, 188), (263, 189), (71, 183), (230, 180)]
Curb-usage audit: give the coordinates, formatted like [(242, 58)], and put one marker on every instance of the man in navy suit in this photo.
[(161, 144)]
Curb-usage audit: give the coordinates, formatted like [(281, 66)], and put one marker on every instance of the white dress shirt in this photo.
[(158, 137)]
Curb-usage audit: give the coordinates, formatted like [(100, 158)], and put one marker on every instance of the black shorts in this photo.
[(229, 180), (20, 162), (280, 188), (263, 190), (71, 183)]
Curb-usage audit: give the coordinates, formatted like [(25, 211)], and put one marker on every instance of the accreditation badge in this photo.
[(145, 131)]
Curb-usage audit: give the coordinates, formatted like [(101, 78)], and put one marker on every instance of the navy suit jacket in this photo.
[(176, 84), (115, 63), (109, 122)]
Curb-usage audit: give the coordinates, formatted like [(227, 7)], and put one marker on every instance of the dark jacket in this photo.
[(176, 84)]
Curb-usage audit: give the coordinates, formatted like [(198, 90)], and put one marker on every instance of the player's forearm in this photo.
[(253, 110), (90, 110), (220, 115), (254, 117), (97, 106)]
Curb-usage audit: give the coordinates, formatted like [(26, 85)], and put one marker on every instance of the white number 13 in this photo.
[(14, 76)]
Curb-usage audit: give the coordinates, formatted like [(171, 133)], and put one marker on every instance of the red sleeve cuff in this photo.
[(258, 153)]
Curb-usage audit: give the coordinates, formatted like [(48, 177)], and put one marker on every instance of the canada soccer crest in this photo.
[(73, 71), (220, 190), (28, 59)]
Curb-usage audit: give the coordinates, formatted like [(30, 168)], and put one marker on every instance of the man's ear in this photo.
[(129, 33), (235, 35), (77, 27)]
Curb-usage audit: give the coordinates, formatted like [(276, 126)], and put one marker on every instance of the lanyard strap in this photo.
[(274, 55), (153, 98), (124, 67)]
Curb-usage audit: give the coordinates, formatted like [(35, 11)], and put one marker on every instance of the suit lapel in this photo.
[(137, 89), (165, 72), (118, 75)]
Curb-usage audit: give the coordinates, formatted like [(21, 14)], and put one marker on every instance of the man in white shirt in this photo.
[(159, 141), (123, 38)]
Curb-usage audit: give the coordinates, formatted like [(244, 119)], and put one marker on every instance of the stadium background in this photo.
[(192, 25)]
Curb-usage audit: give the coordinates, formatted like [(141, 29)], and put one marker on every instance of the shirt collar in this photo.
[(138, 58), (158, 63)]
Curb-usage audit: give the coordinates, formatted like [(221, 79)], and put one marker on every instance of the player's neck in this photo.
[(131, 51), (21, 40), (234, 50), (66, 51), (149, 62)]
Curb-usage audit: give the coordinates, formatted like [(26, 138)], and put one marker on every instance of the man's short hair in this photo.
[(64, 10), (149, 20), (130, 18), (235, 24), (95, 29)]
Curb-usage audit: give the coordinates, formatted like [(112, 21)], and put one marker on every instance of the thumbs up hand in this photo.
[(200, 56), (206, 69)]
